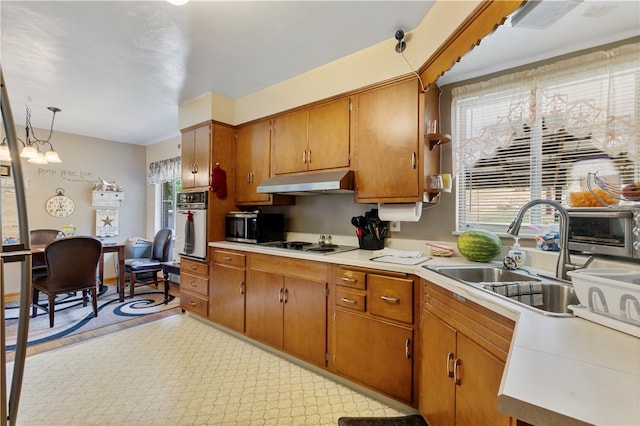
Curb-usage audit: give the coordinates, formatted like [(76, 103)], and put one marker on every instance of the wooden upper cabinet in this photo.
[(290, 142), (329, 131), (312, 139), (196, 153), (252, 162), (388, 147)]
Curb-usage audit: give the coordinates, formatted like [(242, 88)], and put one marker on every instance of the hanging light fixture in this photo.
[(33, 148)]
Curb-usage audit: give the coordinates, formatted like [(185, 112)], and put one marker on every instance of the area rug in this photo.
[(73, 318)]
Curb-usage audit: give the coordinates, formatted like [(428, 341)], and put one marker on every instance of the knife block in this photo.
[(370, 242)]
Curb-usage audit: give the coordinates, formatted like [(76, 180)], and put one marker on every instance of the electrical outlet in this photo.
[(394, 226)]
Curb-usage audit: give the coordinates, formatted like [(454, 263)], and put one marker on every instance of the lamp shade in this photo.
[(29, 152), (51, 156), (4, 152), (38, 159)]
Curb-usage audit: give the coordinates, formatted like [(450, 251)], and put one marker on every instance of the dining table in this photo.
[(37, 251)]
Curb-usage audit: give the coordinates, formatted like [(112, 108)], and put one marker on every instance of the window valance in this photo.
[(164, 171)]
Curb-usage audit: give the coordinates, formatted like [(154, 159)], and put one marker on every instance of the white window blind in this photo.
[(517, 137)]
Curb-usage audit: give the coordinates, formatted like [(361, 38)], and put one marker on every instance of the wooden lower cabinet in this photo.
[(288, 311), (375, 353), (464, 348), (227, 290), (194, 286), (373, 330)]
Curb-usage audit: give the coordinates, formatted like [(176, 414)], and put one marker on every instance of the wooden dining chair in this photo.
[(41, 237), (71, 267), (160, 252)]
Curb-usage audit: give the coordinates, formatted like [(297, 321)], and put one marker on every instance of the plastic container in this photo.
[(578, 193)]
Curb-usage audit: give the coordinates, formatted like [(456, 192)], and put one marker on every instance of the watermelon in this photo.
[(479, 245)]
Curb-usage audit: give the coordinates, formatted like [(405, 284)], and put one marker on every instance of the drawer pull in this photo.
[(407, 353), (449, 369), (345, 300), (456, 376), (390, 299), (349, 280)]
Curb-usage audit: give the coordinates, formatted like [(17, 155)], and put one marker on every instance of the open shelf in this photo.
[(436, 139)]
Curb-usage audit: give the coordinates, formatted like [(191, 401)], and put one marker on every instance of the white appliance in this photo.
[(191, 224)]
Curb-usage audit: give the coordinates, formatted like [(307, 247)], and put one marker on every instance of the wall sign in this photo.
[(107, 222)]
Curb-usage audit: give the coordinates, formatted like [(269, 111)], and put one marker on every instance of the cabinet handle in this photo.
[(349, 280), (456, 376), (241, 287), (286, 295), (449, 369), (407, 353), (390, 299), (345, 300), (413, 160), (280, 295)]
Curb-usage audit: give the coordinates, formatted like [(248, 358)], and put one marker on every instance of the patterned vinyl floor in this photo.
[(181, 371)]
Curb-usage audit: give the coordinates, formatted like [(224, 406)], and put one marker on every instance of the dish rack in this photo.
[(595, 183)]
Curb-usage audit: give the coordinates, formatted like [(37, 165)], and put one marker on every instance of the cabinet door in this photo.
[(264, 306), (477, 394), (202, 154), (329, 136), (290, 143), (437, 389), (305, 319), (226, 299), (375, 353), (188, 158), (387, 144), (252, 161)]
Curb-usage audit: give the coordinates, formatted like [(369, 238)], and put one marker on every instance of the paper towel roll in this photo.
[(406, 212)]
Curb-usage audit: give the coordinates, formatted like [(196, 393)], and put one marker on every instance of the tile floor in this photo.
[(181, 371)]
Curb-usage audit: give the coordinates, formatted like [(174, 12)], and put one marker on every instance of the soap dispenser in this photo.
[(517, 253)]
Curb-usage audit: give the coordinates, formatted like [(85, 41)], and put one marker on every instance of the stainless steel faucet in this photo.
[(564, 259)]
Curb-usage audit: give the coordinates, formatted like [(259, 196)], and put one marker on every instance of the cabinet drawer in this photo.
[(193, 303), (229, 258), (391, 297), (194, 283), (351, 300), (353, 279), (188, 265)]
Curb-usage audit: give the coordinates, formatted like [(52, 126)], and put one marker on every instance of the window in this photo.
[(529, 135), (169, 191), (165, 174)]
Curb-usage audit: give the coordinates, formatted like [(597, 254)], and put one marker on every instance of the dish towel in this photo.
[(527, 292), (189, 234), (218, 181)]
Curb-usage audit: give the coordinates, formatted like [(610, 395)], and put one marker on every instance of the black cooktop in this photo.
[(308, 247)]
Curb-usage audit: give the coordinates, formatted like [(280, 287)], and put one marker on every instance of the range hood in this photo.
[(309, 184)]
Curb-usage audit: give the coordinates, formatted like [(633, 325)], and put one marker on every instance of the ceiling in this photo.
[(120, 69)]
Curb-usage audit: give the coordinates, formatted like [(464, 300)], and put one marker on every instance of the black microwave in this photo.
[(610, 231), (250, 227)]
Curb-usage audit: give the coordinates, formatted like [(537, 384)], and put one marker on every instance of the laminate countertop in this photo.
[(559, 371)]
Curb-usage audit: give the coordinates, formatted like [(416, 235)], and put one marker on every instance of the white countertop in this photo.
[(559, 370)]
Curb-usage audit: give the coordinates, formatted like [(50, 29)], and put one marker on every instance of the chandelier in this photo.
[(34, 149)]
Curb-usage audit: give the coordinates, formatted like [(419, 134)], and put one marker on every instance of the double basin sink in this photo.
[(541, 294)]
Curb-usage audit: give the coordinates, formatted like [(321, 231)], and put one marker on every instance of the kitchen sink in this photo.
[(541, 294)]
